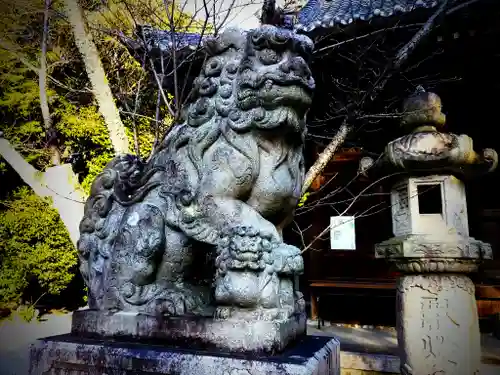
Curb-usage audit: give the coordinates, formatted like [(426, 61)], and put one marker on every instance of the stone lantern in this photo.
[(437, 321)]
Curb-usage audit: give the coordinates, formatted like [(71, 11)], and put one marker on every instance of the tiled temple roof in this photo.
[(329, 13), (164, 40), (315, 14)]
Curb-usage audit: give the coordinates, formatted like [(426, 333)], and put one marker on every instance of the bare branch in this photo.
[(134, 114), (366, 188), (300, 232), (139, 115), (352, 110), (364, 213), (367, 35), (404, 52), (160, 88), (157, 127), (170, 15)]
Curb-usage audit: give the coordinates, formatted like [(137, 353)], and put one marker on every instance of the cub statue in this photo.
[(197, 230)]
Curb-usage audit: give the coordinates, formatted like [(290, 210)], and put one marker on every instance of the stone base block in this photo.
[(71, 355), (255, 336), (437, 323)]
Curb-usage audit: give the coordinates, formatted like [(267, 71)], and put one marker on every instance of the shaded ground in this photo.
[(384, 341), (16, 337)]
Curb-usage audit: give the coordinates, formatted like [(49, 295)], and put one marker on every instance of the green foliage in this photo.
[(27, 312), (34, 245), (28, 253), (19, 105), (84, 133)]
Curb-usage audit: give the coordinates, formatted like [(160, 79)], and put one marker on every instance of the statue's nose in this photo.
[(296, 65)]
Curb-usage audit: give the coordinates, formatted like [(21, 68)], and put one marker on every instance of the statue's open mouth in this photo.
[(293, 95), (273, 91), (270, 80)]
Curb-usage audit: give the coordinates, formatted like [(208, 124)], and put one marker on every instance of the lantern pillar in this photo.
[(437, 318)]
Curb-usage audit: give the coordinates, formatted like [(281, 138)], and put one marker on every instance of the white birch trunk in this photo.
[(97, 77), (58, 183)]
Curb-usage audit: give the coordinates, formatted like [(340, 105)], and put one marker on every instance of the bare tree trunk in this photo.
[(42, 84), (58, 183), (42, 76), (325, 157), (97, 77)]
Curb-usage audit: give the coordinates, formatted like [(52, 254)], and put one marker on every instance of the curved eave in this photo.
[(326, 14), (167, 41)]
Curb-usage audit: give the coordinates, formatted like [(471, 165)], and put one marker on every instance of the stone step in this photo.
[(352, 363)]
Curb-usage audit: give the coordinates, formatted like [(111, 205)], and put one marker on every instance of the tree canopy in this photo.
[(78, 130)]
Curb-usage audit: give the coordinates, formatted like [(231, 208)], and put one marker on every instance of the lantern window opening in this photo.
[(430, 199)]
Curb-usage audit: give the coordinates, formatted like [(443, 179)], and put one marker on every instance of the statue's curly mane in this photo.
[(219, 108), (251, 84), (223, 103)]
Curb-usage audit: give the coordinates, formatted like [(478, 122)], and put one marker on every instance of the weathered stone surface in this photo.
[(428, 150), (69, 355), (437, 322), (451, 202), (438, 330), (228, 335), (433, 246), (434, 253), (433, 151), (197, 230)]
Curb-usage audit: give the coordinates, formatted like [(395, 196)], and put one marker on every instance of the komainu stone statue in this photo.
[(197, 230)]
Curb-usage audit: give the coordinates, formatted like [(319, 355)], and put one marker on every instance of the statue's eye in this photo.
[(213, 68), (268, 56)]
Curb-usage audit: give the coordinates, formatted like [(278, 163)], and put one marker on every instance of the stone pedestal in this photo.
[(71, 355), (437, 324), (225, 335)]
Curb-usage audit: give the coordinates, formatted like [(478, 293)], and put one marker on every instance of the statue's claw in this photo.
[(287, 259), (177, 302)]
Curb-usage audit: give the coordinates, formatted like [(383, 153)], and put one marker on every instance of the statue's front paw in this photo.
[(245, 247), (287, 259)]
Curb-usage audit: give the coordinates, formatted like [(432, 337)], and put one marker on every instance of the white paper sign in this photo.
[(342, 233)]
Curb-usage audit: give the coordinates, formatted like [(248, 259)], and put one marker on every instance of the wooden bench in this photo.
[(487, 295), (320, 288)]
